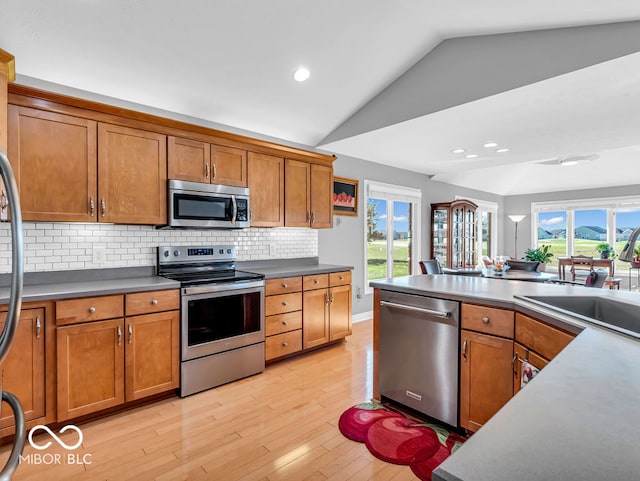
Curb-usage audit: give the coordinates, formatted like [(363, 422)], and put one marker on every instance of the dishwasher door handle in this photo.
[(431, 312)]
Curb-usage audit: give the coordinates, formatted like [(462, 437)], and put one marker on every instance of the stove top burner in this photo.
[(211, 277)]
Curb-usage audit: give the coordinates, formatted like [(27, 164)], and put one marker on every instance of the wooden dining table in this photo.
[(563, 262), (518, 275)]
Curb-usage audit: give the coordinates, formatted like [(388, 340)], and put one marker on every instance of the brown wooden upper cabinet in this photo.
[(132, 175), (197, 161), (266, 189), (308, 194), (72, 169), (54, 157)]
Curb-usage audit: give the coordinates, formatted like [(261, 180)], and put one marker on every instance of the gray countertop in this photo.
[(290, 270), (577, 420)]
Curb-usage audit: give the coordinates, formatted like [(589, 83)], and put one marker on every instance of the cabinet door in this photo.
[(55, 161), (90, 367), (265, 176), (485, 377), (132, 174), (315, 318), (152, 354), (297, 202), (339, 312), (321, 196), (188, 159), (23, 369), (228, 166)]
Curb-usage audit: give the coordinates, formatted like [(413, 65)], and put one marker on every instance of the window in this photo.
[(577, 227), (392, 225)]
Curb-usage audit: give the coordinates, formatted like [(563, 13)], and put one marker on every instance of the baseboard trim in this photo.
[(363, 316)]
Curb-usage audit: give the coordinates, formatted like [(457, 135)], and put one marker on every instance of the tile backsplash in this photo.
[(70, 246)]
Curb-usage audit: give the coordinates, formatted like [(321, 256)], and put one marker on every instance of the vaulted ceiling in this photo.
[(401, 83)]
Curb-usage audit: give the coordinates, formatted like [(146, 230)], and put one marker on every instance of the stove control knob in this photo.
[(176, 252), (167, 253), (221, 251), (228, 251)]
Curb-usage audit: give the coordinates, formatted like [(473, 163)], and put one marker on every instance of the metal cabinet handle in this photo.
[(38, 327), (341, 278), (313, 218), (103, 207), (206, 170), (284, 303), (130, 333), (326, 298), (234, 209), (284, 323), (215, 172), (285, 344), (316, 281), (464, 348), (154, 302), (485, 320), (92, 207), (92, 309), (119, 332), (332, 297), (284, 285)]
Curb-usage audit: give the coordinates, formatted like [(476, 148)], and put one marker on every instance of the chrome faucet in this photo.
[(627, 252)]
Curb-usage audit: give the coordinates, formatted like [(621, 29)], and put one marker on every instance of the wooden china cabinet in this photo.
[(453, 233)]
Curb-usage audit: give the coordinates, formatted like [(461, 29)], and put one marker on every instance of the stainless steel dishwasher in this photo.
[(419, 339)]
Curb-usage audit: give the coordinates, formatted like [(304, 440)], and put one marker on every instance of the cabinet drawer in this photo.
[(89, 309), (283, 344), (280, 323), (340, 278), (540, 337), (283, 303), (152, 301), (318, 281), (489, 320), (283, 286)]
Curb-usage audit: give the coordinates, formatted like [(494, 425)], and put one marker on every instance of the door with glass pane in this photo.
[(453, 233)]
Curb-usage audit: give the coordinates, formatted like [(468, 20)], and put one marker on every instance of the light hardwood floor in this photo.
[(278, 425)]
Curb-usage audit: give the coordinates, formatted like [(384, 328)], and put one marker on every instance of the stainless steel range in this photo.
[(222, 320)]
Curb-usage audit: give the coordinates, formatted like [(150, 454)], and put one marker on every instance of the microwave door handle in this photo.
[(234, 209)]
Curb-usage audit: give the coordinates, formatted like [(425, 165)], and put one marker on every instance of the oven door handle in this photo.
[(221, 288), (234, 210)]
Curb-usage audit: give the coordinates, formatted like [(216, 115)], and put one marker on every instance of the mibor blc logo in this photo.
[(55, 458)]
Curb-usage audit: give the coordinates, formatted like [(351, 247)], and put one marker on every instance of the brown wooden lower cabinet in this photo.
[(90, 367), (315, 324), (23, 370), (339, 312), (152, 361), (486, 382)]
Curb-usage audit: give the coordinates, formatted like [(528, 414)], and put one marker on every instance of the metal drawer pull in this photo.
[(206, 171), (215, 172), (316, 281), (130, 333), (92, 309), (92, 207), (444, 315), (284, 285), (332, 297), (341, 278), (119, 336), (285, 344), (284, 323), (485, 320), (38, 326), (103, 207), (464, 348), (154, 302), (284, 303)]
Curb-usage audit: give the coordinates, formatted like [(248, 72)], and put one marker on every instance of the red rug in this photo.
[(393, 438)]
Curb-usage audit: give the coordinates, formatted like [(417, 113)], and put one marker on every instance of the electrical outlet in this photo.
[(358, 294), (99, 255)]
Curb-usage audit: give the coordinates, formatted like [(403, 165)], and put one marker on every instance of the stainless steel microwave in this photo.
[(207, 206)]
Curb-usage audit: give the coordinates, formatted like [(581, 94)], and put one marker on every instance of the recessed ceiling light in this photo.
[(301, 74), (490, 145), (500, 151), (567, 163), (458, 151), (471, 156)]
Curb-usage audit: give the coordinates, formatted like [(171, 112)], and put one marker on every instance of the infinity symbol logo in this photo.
[(53, 435)]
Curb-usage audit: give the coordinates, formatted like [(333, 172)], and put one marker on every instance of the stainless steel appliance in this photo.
[(222, 317), (419, 339), (199, 205), (15, 303)]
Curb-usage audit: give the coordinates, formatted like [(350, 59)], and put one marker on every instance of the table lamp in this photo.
[(516, 218)]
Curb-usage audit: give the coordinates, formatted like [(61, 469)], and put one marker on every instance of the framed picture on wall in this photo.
[(345, 196)]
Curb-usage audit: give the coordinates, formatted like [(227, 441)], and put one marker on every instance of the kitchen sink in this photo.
[(603, 311)]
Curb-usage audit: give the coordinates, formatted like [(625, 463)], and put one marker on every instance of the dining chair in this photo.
[(581, 263), (529, 266), (593, 279), (431, 266)]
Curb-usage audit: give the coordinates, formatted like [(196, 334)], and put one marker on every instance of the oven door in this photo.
[(221, 318)]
